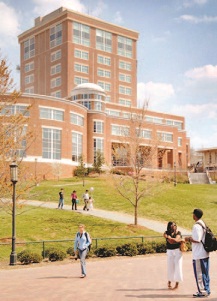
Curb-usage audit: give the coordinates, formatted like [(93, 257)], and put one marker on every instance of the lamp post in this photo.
[(14, 179), (175, 174)]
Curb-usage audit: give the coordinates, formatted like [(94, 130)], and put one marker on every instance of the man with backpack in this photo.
[(81, 247), (200, 255)]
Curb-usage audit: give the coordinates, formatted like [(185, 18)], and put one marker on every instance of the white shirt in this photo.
[(198, 234)]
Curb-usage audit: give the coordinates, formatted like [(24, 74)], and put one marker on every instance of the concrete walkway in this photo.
[(112, 215), (112, 279)]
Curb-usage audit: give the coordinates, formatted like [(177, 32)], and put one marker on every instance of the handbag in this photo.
[(183, 247), (77, 201)]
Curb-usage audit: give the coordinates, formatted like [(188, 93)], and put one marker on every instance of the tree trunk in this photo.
[(136, 214)]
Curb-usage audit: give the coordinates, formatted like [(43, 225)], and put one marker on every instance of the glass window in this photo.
[(55, 69), (81, 34), (119, 130), (125, 65), (29, 79), (80, 80), (29, 48), (165, 137), (56, 35), (29, 67), (98, 127), (84, 55), (51, 143), (125, 46), (98, 145), (52, 114), (103, 40), (76, 119), (56, 82), (77, 142), (104, 60), (56, 55), (179, 141), (81, 68)]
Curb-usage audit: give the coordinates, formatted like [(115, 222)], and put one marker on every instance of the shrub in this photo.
[(105, 252), (70, 251), (27, 257), (48, 251), (127, 250), (56, 254), (160, 247), (145, 248)]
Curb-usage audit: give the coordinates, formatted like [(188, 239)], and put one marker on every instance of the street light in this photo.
[(14, 179), (175, 174)]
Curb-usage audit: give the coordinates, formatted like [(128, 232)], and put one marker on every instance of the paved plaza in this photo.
[(111, 279)]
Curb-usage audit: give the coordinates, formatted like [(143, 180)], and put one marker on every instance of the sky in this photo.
[(176, 51)]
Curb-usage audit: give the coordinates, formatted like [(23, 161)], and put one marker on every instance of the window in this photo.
[(56, 82), (97, 106), (57, 94), (81, 34), (29, 67), (108, 98), (81, 68), (105, 86), (29, 79), (177, 124), (98, 127), (125, 65), (76, 119), (179, 141), (98, 145), (125, 102), (87, 104), (103, 73), (144, 133), (113, 113), (104, 60), (119, 130), (55, 69), (77, 142), (125, 78), (80, 80), (125, 90), (165, 137), (52, 114), (103, 40), (125, 46), (84, 55), (15, 109), (29, 48), (56, 35), (154, 119), (56, 55), (51, 143), (29, 90)]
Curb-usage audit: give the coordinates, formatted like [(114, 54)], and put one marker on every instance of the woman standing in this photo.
[(174, 255), (74, 200), (82, 242)]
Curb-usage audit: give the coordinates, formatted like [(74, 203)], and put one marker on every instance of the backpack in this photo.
[(90, 241), (210, 243)]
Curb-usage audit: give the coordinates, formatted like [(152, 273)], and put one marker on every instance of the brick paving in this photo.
[(112, 279)]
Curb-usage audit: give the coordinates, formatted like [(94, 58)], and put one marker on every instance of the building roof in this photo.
[(87, 87)]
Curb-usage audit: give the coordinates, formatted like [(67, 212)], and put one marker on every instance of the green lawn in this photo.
[(173, 203)]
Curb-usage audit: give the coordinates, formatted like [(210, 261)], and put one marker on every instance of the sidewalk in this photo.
[(112, 279), (113, 215)]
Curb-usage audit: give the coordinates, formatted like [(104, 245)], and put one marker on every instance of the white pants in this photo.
[(174, 265)]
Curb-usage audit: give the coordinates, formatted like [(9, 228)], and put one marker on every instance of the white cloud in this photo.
[(99, 8), (192, 111), (43, 7), (9, 25), (207, 71), (197, 20), (157, 93), (117, 18), (189, 3)]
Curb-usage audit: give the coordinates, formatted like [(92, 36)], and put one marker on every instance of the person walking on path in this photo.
[(85, 198), (199, 255), (174, 255), (61, 199), (82, 242), (90, 203), (74, 199)]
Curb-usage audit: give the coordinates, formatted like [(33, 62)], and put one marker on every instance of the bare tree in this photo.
[(139, 152)]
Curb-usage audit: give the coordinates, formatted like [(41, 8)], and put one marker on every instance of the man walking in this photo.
[(200, 256), (61, 198), (86, 198)]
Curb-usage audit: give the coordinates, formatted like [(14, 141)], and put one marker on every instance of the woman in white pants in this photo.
[(174, 255)]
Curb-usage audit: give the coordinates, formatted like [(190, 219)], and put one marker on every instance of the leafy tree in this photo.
[(15, 137), (98, 162)]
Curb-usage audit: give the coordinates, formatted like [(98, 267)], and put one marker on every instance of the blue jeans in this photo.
[(82, 255), (201, 273), (61, 203)]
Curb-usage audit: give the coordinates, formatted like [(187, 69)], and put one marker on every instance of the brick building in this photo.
[(79, 75)]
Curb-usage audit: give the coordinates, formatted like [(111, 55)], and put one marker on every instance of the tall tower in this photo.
[(66, 48)]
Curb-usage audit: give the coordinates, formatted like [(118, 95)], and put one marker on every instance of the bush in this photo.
[(160, 247), (127, 250), (56, 254), (70, 251), (145, 248), (27, 257), (105, 252)]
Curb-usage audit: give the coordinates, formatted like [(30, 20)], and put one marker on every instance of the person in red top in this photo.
[(74, 200)]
